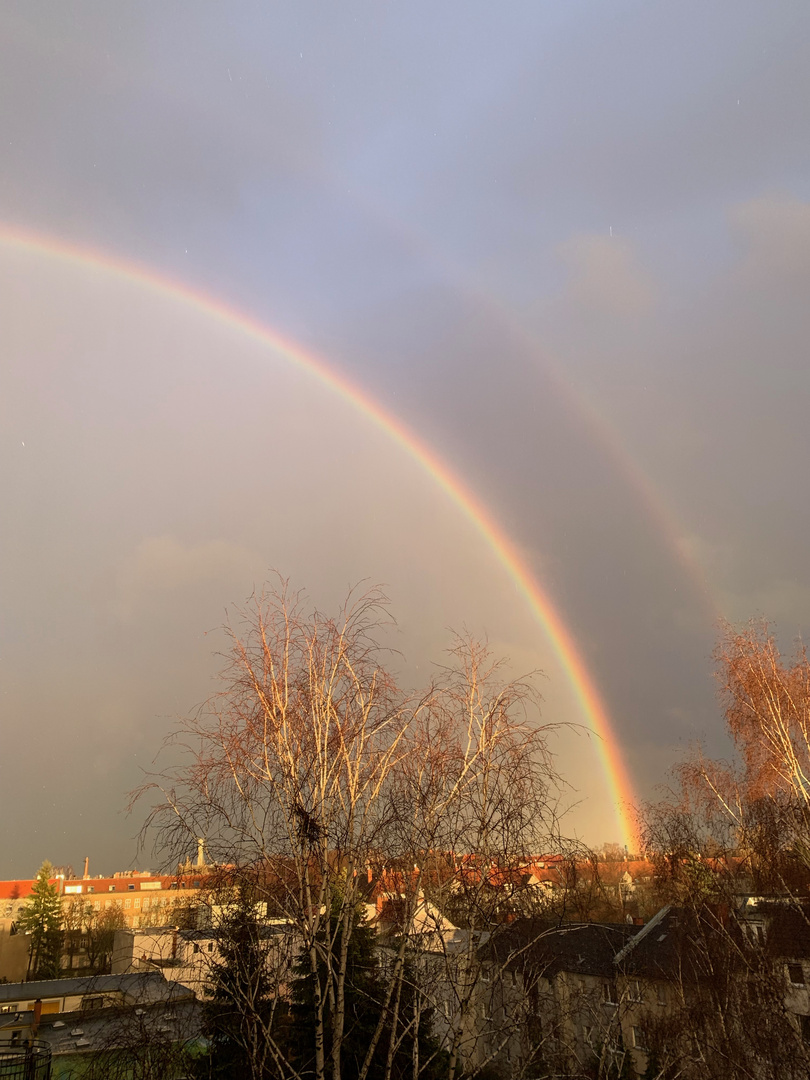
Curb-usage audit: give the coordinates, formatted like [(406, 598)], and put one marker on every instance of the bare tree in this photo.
[(286, 772), (726, 830), (477, 798), (315, 775), (89, 935), (141, 1041), (727, 1014), (751, 815)]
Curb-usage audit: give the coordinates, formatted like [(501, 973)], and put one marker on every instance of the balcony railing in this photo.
[(30, 1060)]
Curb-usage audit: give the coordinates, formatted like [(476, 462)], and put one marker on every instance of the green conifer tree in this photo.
[(365, 993), (242, 1013), (363, 996), (654, 1070), (41, 919)]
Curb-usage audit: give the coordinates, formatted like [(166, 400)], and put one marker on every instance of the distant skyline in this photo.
[(567, 247)]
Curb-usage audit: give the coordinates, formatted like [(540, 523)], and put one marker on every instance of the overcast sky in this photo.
[(567, 244)]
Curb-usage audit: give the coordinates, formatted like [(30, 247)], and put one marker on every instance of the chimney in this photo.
[(86, 873), (37, 1017), (200, 855)]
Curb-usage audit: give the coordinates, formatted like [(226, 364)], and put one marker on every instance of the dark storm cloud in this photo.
[(551, 238), (105, 144), (712, 394), (555, 484)]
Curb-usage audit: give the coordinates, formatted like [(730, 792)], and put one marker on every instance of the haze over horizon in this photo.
[(567, 246)]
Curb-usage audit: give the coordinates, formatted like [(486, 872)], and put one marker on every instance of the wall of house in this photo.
[(13, 953)]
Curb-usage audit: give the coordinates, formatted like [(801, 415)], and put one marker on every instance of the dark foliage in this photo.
[(243, 1016), (409, 1039)]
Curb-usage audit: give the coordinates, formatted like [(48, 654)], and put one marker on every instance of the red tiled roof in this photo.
[(21, 889), (14, 890)]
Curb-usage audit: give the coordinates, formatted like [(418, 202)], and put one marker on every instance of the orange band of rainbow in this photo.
[(585, 692)]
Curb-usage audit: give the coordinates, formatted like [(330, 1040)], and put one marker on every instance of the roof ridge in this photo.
[(656, 920)]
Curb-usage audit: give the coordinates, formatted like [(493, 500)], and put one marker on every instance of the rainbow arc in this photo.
[(505, 550)]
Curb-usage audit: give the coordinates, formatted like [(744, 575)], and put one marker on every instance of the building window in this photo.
[(137, 902), (804, 1021), (131, 888), (634, 989), (638, 1039), (796, 974), (110, 888), (210, 946), (756, 932), (609, 993), (661, 994)]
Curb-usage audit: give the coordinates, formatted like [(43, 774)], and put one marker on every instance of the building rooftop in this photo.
[(143, 985), (585, 948)]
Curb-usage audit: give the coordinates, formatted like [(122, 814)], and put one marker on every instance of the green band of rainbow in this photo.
[(588, 699)]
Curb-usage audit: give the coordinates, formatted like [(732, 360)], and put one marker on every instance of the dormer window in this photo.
[(756, 932)]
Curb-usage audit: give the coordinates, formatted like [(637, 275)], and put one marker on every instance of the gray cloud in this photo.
[(346, 175)]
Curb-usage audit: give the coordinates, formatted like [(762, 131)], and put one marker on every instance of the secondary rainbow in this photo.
[(595, 421), (504, 549)]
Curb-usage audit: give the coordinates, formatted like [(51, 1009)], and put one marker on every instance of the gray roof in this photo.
[(103, 1029), (143, 985), (653, 924), (585, 948)]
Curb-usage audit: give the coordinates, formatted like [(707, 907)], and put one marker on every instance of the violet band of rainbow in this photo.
[(589, 701)]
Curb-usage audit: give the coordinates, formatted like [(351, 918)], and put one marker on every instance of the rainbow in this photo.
[(575, 398), (585, 692)]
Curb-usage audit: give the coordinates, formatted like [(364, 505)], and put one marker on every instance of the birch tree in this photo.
[(478, 797), (727, 833), (315, 776), (286, 773)]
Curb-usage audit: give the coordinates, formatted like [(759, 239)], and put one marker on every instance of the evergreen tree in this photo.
[(242, 1014), (41, 919), (654, 1070), (364, 998), (415, 1038)]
